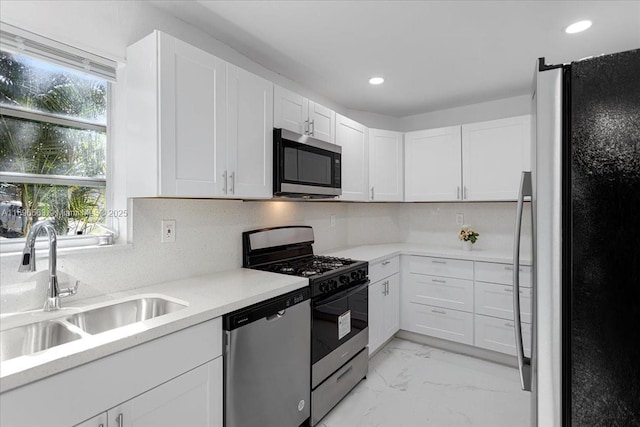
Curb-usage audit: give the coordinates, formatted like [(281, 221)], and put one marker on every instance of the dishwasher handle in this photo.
[(276, 316)]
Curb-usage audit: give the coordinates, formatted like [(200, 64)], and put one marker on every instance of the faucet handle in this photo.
[(67, 292)]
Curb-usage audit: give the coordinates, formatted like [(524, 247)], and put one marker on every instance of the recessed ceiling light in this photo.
[(376, 80), (577, 27)]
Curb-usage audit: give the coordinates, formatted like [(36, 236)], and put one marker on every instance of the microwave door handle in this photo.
[(524, 363), (342, 294)]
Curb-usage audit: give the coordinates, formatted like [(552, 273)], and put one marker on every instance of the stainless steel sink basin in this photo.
[(121, 314), (29, 339)]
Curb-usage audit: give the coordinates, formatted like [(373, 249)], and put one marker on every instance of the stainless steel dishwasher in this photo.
[(267, 377)]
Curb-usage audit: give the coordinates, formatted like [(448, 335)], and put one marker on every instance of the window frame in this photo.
[(8, 246)]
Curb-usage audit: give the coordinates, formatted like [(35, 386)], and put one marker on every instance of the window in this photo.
[(53, 140)]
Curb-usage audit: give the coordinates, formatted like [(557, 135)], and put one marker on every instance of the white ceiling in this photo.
[(433, 54)]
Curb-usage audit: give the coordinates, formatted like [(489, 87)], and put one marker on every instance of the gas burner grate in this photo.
[(308, 266)]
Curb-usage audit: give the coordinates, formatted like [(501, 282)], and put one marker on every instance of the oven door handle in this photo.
[(342, 294)]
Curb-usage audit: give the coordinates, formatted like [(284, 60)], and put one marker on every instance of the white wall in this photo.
[(498, 109)]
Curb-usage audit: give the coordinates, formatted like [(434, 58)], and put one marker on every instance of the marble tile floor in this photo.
[(414, 385)]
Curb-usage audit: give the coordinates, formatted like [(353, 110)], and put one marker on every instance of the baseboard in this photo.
[(468, 350)]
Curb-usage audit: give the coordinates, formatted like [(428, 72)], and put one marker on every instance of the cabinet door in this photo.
[(290, 110), (250, 134), (376, 315), (438, 322), (97, 421), (386, 174), (192, 120), (498, 335), (391, 307), (494, 155), (433, 166), (192, 399), (352, 137), (322, 122)]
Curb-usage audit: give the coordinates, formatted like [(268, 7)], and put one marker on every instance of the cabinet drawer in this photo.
[(499, 335), (439, 322), (443, 267), (441, 291), (501, 273), (384, 268), (497, 301)]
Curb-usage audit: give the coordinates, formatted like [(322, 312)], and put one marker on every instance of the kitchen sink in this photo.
[(29, 339), (34, 337), (121, 314)]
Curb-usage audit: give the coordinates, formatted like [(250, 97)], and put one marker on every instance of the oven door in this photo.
[(338, 329), (304, 166)]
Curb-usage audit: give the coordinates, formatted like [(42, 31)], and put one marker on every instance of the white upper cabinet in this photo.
[(176, 119), (298, 114), (353, 138), (290, 110), (473, 162), (198, 126), (433, 165), (322, 122), (495, 153), (250, 134), (386, 174)]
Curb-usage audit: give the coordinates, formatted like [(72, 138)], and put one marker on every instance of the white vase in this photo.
[(467, 245)]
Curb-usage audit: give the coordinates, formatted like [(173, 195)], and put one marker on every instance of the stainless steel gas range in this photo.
[(339, 307)]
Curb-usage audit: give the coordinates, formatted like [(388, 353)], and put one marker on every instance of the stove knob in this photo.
[(354, 275), (323, 287), (344, 280), (333, 284)]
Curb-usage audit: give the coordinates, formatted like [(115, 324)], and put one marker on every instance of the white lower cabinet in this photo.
[(441, 291), (497, 301), (192, 399), (497, 334), (452, 325), (384, 302), (469, 302)]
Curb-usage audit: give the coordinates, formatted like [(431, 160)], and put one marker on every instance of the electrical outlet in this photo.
[(333, 220), (459, 218), (168, 231)]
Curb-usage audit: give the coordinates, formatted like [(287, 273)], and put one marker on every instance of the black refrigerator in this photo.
[(584, 192)]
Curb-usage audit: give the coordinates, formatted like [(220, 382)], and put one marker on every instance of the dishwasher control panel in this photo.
[(265, 309)]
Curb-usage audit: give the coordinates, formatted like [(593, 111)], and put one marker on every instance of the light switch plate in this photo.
[(459, 218)]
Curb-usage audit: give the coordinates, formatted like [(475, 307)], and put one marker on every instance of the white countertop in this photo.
[(207, 297), (375, 253)]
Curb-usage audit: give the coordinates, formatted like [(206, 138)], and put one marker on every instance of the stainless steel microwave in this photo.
[(305, 167)]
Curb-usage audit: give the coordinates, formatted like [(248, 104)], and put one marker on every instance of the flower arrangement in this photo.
[(468, 234)]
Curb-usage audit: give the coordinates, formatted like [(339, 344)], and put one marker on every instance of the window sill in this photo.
[(42, 250)]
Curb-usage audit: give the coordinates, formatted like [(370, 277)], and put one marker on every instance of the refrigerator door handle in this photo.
[(524, 363)]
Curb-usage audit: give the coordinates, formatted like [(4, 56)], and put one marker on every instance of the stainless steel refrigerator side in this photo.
[(547, 255)]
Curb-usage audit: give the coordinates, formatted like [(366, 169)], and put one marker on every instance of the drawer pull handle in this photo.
[(438, 281), (438, 262), (439, 311), (344, 374), (508, 325), (508, 290), (510, 268), (386, 262), (120, 420)]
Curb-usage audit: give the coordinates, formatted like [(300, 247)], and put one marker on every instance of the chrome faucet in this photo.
[(54, 293)]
